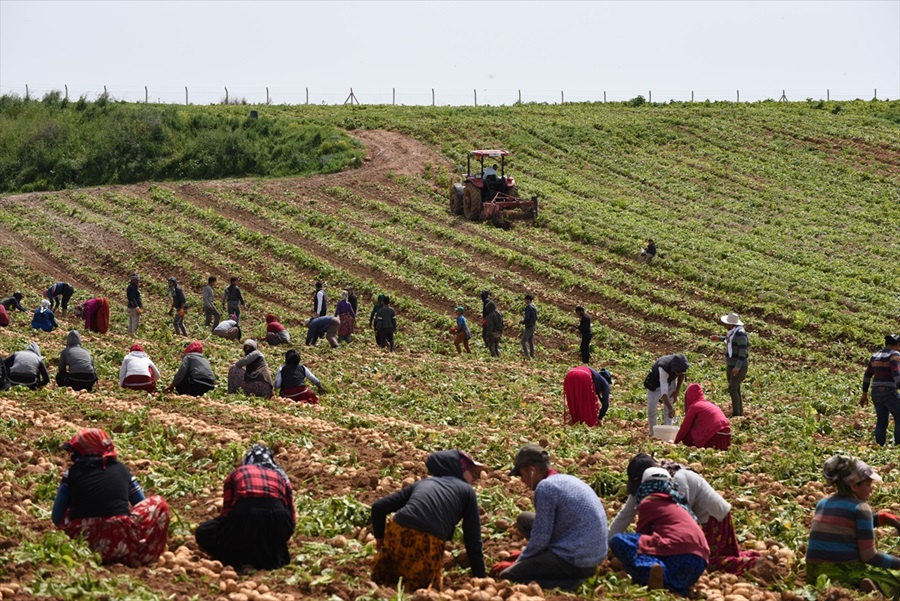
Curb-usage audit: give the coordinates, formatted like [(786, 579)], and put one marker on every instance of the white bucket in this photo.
[(666, 433)]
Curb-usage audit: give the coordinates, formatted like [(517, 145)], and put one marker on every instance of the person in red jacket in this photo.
[(705, 425)]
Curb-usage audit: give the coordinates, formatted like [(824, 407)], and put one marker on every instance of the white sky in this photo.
[(543, 48)]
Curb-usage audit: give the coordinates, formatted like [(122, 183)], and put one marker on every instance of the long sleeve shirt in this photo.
[(884, 369), (843, 531), (254, 481), (666, 529), (531, 316), (209, 297), (569, 520), (737, 348), (320, 303), (134, 296)]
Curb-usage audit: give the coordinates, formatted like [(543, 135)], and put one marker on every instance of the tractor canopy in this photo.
[(489, 153)]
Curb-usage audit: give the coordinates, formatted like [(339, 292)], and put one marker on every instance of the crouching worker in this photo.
[(228, 329), (566, 532), (195, 377), (258, 515), (251, 373), (95, 312), (669, 549), (275, 332), (842, 538), (291, 380), (138, 372), (411, 545), (76, 367), (705, 425), (587, 395), (27, 368), (99, 500)]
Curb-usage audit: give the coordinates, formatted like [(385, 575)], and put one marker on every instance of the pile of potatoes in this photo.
[(9, 590), (484, 589)]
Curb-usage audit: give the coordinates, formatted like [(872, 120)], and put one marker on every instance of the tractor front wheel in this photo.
[(456, 199), (472, 203)]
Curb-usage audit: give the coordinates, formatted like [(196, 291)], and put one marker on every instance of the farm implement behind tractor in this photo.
[(487, 195)]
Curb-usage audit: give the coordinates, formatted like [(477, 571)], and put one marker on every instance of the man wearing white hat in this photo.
[(737, 351)]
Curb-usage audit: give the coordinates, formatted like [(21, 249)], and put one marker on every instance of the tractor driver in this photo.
[(489, 171)]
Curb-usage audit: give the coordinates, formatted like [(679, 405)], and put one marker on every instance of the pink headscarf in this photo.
[(194, 347), (694, 394)]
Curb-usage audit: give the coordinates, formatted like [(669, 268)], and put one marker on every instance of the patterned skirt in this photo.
[(237, 380), (681, 572), (347, 324), (724, 553), (415, 556), (135, 539)]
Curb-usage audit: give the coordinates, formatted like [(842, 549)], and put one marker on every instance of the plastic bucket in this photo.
[(666, 433)]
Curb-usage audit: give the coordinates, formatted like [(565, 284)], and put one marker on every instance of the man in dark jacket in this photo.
[(411, 546), (493, 330), (529, 323), (13, 302), (179, 305), (135, 304), (320, 301), (233, 300), (385, 324), (60, 293), (584, 327), (664, 383), (326, 326)]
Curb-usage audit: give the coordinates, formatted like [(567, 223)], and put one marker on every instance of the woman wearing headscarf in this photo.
[(411, 545), (587, 395), (76, 366), (842, 537), (138, 372), (347, 315), (669, 549), (228, 328), (99, 500), (275, 332), (258, 515), (251, 373), (27, 367), (705, 425), (291, 380), (194, 377), (43, 318), (95, 312)]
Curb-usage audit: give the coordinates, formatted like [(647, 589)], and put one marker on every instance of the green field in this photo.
[(784, 212)]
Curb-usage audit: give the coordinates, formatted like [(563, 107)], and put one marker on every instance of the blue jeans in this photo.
[(887, 404)]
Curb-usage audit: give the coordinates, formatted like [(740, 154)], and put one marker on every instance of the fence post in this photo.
[(186, 95), (67, 91), (604, 96), (432, 96), (307, 95), (146, 95), (828, 94), (876, 93), (562, 97), (475, 92), (393, 95), (738, 95), (649, 95), (267, 95), (104, 91), (692, 95), (520, 96), (26, 92), (226, 94)]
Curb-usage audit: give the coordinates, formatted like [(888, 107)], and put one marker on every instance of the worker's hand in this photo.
[(864, 399), (670, 411), (715, 338), (885, 518), (735, 371), (498, 567), (379, 542), (321, 389)]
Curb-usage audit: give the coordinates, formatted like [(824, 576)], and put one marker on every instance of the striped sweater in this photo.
[(843, 531), (884, 368)]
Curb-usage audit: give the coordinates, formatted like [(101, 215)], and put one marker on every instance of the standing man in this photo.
[(135, 305), (584, 327), (212, 315), (179, 305), (884, 369), (737, 351), (60, 292), (487, 307), (386, 324), (529, 323), (567, 530), (351, 298), (233, 300), (664, 383), (493, 330), (320, 301)]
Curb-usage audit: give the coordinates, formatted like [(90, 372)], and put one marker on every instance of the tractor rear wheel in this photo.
[(472, 203)]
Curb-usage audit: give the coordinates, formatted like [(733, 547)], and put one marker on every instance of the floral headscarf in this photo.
[(661, 483), (91, 442), (261, 455)]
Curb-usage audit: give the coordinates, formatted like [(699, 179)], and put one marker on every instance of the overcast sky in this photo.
[(546, 49)]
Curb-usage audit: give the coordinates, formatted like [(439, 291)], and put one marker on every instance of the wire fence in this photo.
[(430, 96)]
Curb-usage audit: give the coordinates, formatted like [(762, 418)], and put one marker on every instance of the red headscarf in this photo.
[(194, 347), (92, 442), (136, 347), (270, 318)]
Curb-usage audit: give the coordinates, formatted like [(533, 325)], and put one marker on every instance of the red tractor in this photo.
[(486, 194)]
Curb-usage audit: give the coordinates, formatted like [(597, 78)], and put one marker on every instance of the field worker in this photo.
[(13, 301), (411, 545), (95, 312), (705, 425), (233, 300), (178, 307), (493, 330), (228, 328), (326, 326), (584, 328), (100, 501), (347, 314), (737, 351), (883, 375), (27, 367), (251, 373), (138, 372), (566, 532), (76, 366), (4, 317), (842, 537), (291, 379), (275, 332), (587, 395), (351, 298), (379, 302), (664, 383), (211, 315), (258, 515), (529, 324), (386, 324), (461, 331), (487, 307), (648, 252), (320, 301), (43, 318), (5, 384), (59, 294), (194, 377), (712, 511), (135, 304), (669, 549)]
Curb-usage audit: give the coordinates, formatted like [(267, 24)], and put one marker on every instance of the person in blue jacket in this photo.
[(326, 326), (44, 319)]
